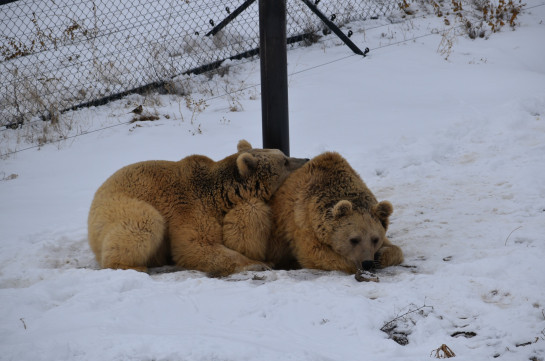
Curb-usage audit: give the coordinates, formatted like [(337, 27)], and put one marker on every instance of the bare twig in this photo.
[(516, 229), (527, 343), (23, 321), (387, 324)]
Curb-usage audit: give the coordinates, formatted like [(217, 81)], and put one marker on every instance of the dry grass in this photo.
[(474, 18), (443, 351), (5, 177)]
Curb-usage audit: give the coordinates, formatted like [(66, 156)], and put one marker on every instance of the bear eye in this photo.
[(286, 162), (375, 240), (354, 241)]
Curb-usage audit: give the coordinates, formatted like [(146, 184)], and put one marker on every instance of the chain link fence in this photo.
[(63, 54)]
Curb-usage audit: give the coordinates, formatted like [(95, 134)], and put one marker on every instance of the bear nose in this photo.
[(367, 265)]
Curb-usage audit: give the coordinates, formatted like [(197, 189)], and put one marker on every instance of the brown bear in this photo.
[(155, 213), (326, 218), (247, 227)]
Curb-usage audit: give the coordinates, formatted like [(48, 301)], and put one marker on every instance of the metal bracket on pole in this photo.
[(334, 28), (330, 24), (231, 16)]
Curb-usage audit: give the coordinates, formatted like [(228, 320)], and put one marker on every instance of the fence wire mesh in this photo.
[(60, 54)]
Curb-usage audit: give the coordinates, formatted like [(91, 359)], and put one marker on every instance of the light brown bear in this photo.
[(155, 213), (326, 218), (247, 227)]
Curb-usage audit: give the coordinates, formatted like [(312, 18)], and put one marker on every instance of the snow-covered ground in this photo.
[(457, 145)]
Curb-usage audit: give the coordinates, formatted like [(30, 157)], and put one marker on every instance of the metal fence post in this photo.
[(274, 74)]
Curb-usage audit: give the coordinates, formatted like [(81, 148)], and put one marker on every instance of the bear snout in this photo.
[(367, 265)]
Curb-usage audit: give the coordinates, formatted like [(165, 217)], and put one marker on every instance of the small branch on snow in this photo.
[(23, 321), (527, 343), (387, 324), (516, 229)]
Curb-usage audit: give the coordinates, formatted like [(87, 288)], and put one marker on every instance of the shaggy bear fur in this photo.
[(161, 212), (326, 218)]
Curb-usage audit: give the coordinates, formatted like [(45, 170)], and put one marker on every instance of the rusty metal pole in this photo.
[(274, 74)]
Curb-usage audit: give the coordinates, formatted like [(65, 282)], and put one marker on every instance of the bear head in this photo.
[(358, 234), (262, 171)]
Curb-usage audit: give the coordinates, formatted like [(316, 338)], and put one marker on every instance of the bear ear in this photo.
[(383, 210), (243, 145), (246, 164), (342, 208)]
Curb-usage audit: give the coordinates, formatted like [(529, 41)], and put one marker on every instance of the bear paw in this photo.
[(388, 256), (256, 267)]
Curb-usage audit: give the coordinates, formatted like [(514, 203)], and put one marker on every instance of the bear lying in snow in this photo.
[(326, 218), (161, 212)]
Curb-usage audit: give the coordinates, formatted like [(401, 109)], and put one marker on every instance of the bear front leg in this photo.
[(196, 243), (388, 255), (247, 228), (311, 253)]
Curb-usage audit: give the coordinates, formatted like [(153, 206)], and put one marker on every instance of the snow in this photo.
[(456, 145)]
